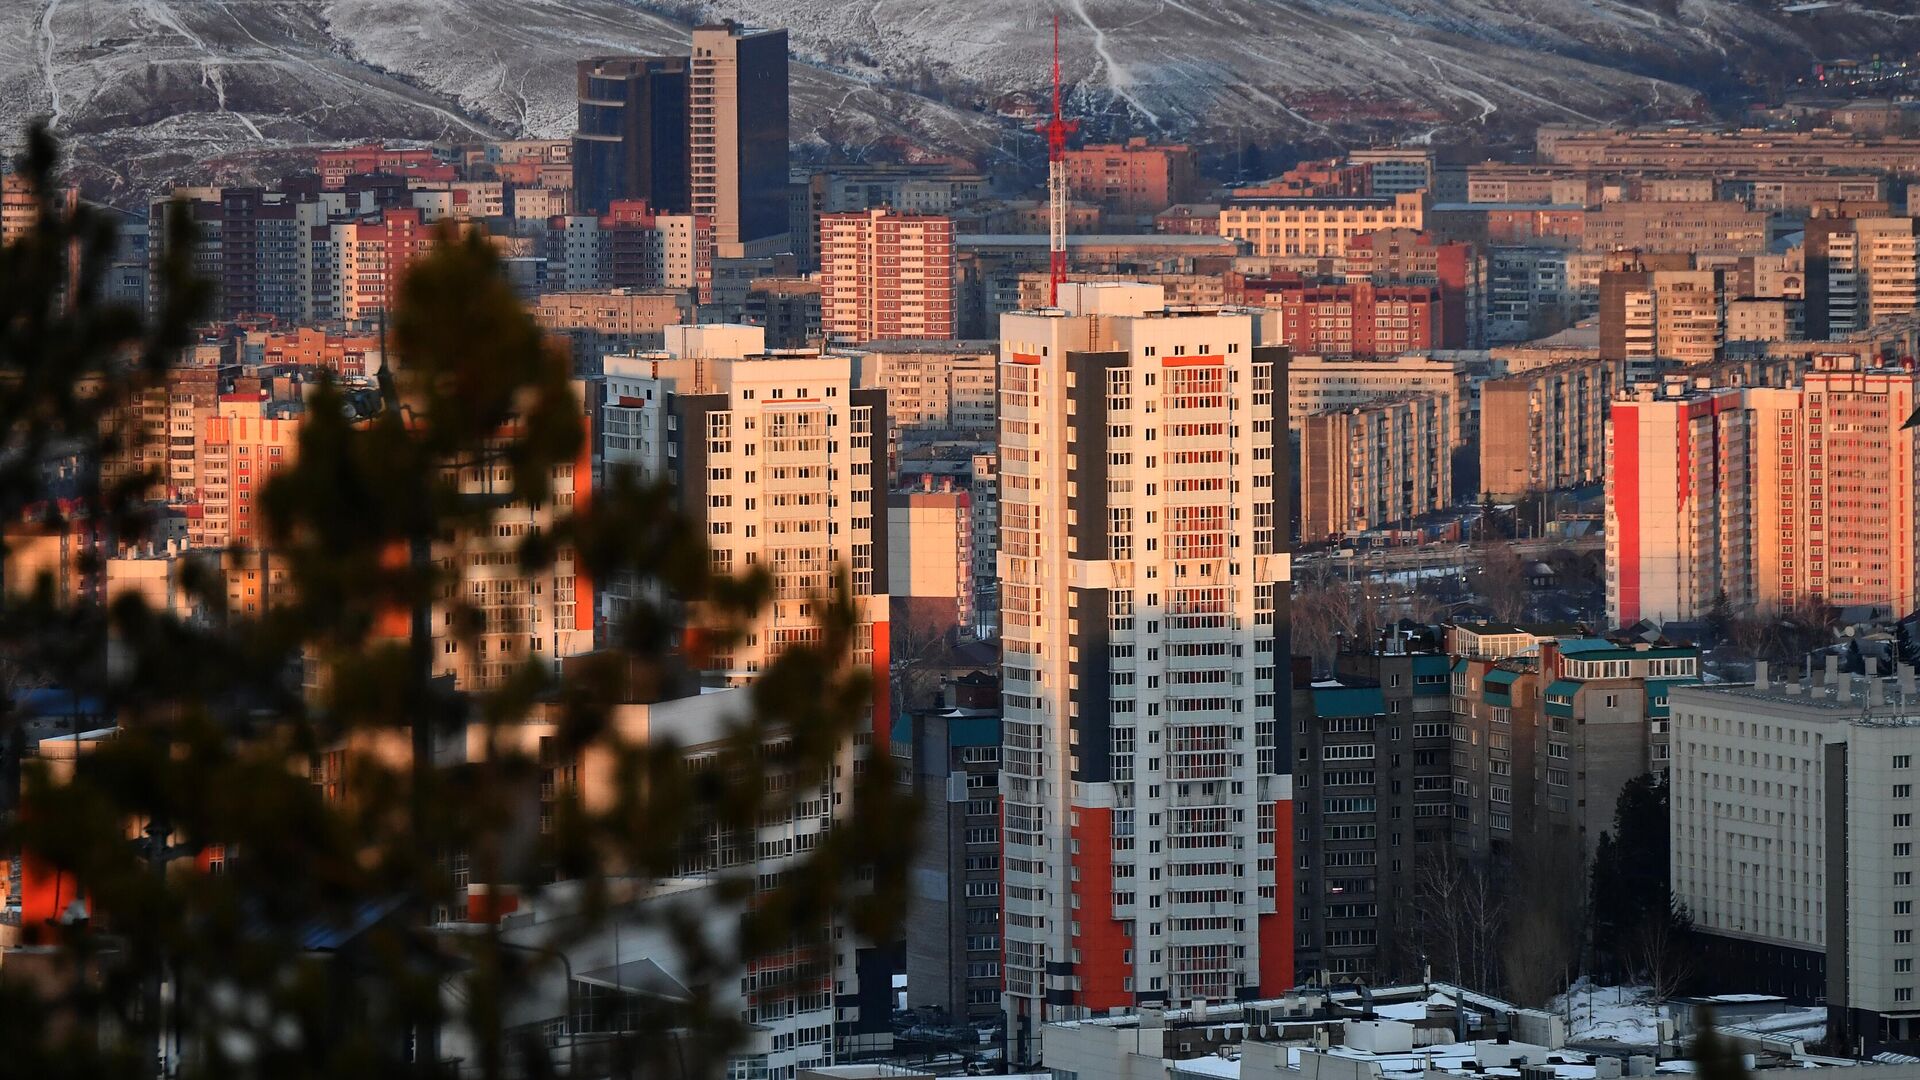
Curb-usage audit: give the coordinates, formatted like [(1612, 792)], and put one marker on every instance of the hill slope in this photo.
[(151, 90)]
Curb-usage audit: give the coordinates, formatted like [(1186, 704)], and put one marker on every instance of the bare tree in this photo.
[(1662, 951), (1459, 917), (1503, 582), (1543, 939)]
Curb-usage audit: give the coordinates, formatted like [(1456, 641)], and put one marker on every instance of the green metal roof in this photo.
[(973, 731), (1331, 701), (1431, 664), (1565, 688), (1657, 695), (1502, 677)]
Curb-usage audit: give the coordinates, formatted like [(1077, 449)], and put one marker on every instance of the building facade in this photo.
[(885, 275), (1793, 843), (1143, 617), (1546, 429), (1374, 466)]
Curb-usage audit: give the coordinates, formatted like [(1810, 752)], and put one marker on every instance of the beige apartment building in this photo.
[(1677, 227), (1546, 429), (1374, 466), (1650, 314), (935, 388), (1316, 226), (1319, 383)]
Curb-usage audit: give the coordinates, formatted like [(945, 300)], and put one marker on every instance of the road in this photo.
[(1447, 556)]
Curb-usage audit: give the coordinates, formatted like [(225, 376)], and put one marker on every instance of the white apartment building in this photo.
[(1793, 842), (1144, 585)]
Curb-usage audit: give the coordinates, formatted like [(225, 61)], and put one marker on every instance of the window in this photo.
[(1903, 761), (1903, 993), (1902, 821), (1903, 907), (1903, 937), (1902, 851)]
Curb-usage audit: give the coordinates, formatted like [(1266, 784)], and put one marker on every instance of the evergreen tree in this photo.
[(314, 953)]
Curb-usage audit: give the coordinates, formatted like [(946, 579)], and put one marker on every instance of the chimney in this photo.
[(1760, 680), (1906, 680), (1832, 681)]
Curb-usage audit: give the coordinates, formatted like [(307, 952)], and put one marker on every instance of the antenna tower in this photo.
[(1056, 130)]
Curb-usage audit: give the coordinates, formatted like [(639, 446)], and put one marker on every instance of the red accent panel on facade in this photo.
[(1276, 928), (1626, 508), (1025, 358), (1193, 361), (1103, 942), (882, 687)]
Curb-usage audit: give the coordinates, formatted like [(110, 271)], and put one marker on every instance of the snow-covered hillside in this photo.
[(154, 89)]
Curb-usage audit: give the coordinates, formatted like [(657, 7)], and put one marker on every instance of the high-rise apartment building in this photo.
[(237, 452), (737, 136), (1793, 843), (1546, 429), (885, 275), (1768, 495), (1144, 590), (1375, 465), (632, 141), (1661, 314), (781, 459), (1860, 271)]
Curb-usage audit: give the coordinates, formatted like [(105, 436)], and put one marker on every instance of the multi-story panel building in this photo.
[(1677, 227), (1143, 619), (1767, 495), (953, 906), (930, 553), (936, 388), (1793, 843), (737, 136), (1359, 319), (1373, 778), (1375, 465), (885, 275), (1680, 149), (1315, 226), (1396, 170), (1319, 383), (1661, 314), (1134, 177), (780, 457), (1546, 429), (1860, 271), (1404, 257), (597, 324)]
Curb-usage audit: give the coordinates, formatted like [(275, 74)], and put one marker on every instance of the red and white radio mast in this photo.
[(1056, 130)]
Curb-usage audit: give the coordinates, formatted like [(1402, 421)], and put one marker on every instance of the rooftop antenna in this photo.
[(1056, 130)]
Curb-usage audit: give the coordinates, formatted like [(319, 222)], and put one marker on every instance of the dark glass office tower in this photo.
[(632, 140)]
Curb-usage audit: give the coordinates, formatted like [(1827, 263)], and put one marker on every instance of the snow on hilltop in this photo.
[(152, 89)]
